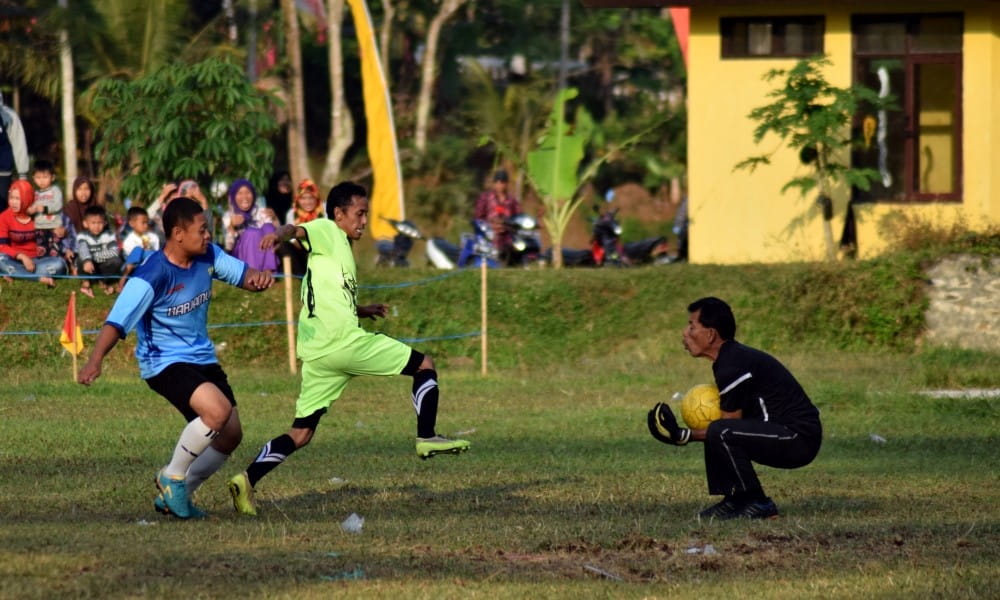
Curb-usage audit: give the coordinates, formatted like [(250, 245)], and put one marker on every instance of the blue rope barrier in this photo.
[(454, 336)]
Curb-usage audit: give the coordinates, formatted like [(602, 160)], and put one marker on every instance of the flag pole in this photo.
[(72, 303), (482, 337), (286, 267)]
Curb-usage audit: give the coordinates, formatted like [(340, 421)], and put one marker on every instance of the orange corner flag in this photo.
[(71, 337)]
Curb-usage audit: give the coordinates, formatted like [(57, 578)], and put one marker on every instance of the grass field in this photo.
[(564, 493)]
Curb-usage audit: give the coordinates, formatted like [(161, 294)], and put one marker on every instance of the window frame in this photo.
[(778, 40), (912, 57)]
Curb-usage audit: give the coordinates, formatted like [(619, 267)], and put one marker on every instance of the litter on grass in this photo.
[(357, 573), (353, 523), (877, 438), (601, 572)]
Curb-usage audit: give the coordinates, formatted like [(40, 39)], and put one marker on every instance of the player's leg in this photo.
[(322, 384), (376, 354), (731, 448), (207, 411), (230, 436), (425, 396)]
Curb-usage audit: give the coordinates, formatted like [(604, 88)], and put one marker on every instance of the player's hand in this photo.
[(663, 426), (89, 373), (268, 241), (373, 310), (258, 281)]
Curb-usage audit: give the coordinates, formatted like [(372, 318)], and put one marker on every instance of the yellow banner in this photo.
[(386, 195)]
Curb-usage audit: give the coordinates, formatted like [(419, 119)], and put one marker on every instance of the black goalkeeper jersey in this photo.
[(756, 383)]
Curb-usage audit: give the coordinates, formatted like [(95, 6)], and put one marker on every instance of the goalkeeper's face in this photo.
[(697, 338)]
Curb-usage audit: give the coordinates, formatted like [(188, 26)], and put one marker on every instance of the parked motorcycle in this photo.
[(606, 247), (472, 249)]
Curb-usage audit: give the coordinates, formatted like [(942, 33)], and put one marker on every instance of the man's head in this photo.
[(43, 174), (500, 181), (710, 324), (94, 220), (138, 219), (347, 205), (185, 226)]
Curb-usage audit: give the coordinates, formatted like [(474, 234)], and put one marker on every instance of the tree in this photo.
[(67, 84), (200, 121), (297, 153), (813, 118), (428, 76), (553, 167), (341, 123)]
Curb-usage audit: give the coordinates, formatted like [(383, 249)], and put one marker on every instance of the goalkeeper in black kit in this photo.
[(767, 418)]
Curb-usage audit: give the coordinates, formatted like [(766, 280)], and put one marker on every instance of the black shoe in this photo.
[(727, 509), (759, 509)]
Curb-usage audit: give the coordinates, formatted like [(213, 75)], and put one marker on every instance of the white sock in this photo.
[(203, 467), (194, 439)]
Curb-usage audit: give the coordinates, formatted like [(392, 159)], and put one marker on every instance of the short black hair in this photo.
[(44, 166), (180, 213), (341, 196), (94, 210), (136, 211), (715, 314)]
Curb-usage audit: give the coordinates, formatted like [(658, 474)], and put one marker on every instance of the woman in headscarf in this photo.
[(84, 195), (245, 224), (307, 208), (19, 255)]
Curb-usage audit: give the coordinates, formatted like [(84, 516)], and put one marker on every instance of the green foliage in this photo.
[(438, 187), (813, 117), (203, 120)]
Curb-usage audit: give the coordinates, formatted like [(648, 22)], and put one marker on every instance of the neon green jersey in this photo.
[(328, 320)]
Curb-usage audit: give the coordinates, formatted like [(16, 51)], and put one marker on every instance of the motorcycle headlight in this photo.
[(524, 222), (519, 245), (408, 229), (618, 229)]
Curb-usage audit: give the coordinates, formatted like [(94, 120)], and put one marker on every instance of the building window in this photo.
[(917, 146), (766, 37)]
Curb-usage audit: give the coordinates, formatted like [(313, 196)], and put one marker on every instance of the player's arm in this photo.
[(257, 281), (372, 311), (282, 234), (106, 340)]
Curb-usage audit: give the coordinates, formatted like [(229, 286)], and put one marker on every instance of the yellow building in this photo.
[(938, 155)]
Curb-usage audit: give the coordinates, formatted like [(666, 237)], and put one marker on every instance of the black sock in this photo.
[(271, 455), (425, 401)]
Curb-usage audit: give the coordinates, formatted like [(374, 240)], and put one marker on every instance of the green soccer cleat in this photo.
[(428, 447), (242, 493), (173, 491)]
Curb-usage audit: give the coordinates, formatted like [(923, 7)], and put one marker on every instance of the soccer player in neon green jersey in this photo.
[(332, 345)]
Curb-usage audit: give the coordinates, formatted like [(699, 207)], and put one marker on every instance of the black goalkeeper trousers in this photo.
[(733, 445)]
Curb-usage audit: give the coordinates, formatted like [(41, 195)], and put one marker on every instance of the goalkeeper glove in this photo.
[(663, 425)]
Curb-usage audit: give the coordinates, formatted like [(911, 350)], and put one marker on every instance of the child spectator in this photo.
[(97, 251), (48, 205), (59, 242), (245, 224), (140, 242), (84, 195), (18, 244), (305, 209)]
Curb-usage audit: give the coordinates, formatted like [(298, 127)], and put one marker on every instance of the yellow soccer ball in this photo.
[(700, 406)]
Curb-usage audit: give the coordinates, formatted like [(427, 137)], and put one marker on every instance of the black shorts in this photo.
[(178, 382)]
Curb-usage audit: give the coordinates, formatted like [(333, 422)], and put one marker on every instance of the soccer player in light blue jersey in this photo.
[(166, 302)]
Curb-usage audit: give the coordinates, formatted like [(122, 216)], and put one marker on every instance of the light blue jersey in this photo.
[(168, 308)]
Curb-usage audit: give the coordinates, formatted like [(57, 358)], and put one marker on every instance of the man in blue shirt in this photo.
[(166, 302)]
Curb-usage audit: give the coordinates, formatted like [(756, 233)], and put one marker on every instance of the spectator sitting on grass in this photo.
[(19, 255), (246, 224), (139, 243), (307, 208), (97, 251)]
